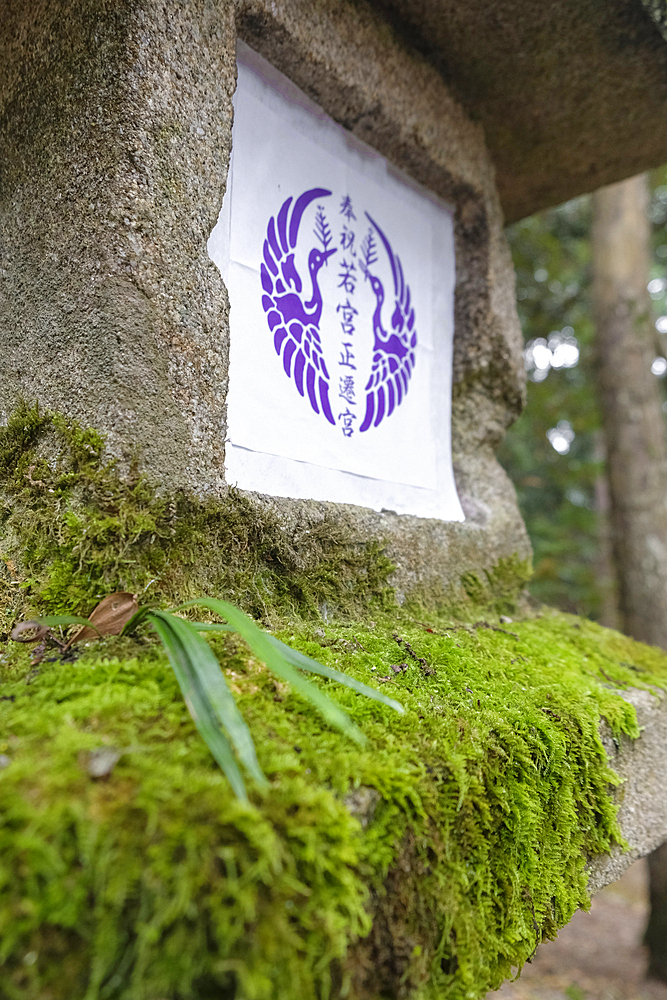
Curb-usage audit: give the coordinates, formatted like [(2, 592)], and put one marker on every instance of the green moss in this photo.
[(500, 591), (72, 530), (152, 883), (497, 590)]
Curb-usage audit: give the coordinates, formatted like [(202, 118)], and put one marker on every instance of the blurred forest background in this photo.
[(555, 452), (598, 256)]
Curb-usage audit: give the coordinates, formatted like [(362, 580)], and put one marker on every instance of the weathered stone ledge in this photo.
[(642, 798), (427, 864)]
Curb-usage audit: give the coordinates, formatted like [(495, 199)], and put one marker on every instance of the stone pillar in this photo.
[(115, 134)]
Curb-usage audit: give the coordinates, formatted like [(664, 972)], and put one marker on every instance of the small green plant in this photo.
[(205, 690)]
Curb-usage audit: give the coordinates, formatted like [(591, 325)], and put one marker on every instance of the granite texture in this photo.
[(115, 131), (571, 94), (642, 766)]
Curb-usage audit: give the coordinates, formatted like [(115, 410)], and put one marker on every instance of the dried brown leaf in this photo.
[(109, 617)]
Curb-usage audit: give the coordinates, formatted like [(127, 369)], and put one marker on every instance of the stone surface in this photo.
[(599, 954), (101, 762), (115, 134), (571, 94), (642, 765), (115, 130)]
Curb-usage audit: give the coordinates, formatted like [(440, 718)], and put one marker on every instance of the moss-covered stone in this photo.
[(476, 811), (499, 591), (426, 865), (72, 530)]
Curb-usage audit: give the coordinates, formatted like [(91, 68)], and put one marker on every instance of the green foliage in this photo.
[(556, 493), (207, 695), (559, 495), (492, 790), (263, 648), (72, 530), (209, 700)]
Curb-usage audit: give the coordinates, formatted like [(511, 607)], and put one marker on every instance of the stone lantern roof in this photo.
[(572, 94)]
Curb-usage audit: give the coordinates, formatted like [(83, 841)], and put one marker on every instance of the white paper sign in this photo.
[(340, 274)]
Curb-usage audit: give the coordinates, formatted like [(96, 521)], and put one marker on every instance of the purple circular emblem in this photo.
[(293, 304)]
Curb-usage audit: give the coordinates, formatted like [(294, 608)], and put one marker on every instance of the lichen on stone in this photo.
[(489, 795)]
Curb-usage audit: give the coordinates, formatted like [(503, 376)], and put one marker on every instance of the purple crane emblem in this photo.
[(393, 353), (293, 313)]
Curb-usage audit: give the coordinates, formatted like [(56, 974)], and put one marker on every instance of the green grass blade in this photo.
[(215, 688), (304, 662), (136, 620), (212, 627), (315, 667), (198, 704), (265, 650), (64, 620)]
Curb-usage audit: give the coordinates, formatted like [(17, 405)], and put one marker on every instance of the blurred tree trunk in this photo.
[(605, 570), (631, 401), (656, 932)]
